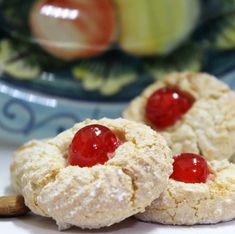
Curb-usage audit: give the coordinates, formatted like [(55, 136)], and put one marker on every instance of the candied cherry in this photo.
[(91, 145), (190, 168), (166, 106)]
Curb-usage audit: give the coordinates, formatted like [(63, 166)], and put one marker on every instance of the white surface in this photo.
[(39, 225)]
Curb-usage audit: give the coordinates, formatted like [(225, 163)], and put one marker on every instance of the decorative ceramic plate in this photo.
[(63, 61)]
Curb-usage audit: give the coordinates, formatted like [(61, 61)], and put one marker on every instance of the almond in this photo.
[(11, 206)]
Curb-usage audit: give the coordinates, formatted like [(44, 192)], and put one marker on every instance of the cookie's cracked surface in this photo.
[(100, 195), (200, 203), (208, 128)]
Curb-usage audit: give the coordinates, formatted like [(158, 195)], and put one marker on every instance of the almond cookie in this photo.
[(203, 202), (194, 111), (48, 175)]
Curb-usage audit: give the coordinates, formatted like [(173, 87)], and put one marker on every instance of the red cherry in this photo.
[(190, 168), (91, 145), (166, 106)]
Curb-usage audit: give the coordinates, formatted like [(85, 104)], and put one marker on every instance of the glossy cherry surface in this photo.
[(91, 145), (166, 106), (190, 168)]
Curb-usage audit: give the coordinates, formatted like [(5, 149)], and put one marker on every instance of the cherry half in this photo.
[(190, 168), (91, 145), (166, 106)]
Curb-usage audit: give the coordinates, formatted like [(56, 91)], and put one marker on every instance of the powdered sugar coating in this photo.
[(208, 128), (202, 203), (97, 196)]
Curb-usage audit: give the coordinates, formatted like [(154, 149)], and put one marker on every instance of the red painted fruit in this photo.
[(91, 145), (73, 29), (190, 168), (166, 106)]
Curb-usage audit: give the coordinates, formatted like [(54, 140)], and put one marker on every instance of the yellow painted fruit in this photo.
[(149, 27)]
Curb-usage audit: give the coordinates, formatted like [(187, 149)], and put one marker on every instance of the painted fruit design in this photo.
[(155, 27), (77, 28), (73, 28)]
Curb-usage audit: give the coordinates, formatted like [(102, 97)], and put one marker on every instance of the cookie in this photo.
[(97, 196), (196, 203), (207, 127)]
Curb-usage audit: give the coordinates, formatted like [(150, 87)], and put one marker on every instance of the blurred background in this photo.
[(62, 61)]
